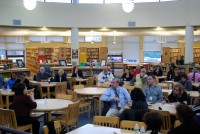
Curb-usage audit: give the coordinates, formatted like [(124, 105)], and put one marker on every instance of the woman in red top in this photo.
[(136, 71), (22, 105)]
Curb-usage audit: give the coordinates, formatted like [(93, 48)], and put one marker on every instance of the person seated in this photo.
[(22, 105), (140, 79), (178, 94), (152, 92), (138, 108), (194, 76), (10, 83), (196, 108), (76, 73), (118, 98), (185, 82), (153, 122), (151, 69), (105, 75), (177, 76), (1, 81), (189, 125), (158, 71), (136, 71), (61, 77), (42, 75), (127, 76), (170, 74)]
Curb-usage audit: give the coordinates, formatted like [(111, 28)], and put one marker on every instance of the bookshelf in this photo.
[(175, 54), (92, 54), (6, 62), (196, 54), (55, 54), (68, 55), (31, 59)]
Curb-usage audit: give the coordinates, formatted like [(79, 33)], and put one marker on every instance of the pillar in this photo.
[(74, 45), (189, 44)]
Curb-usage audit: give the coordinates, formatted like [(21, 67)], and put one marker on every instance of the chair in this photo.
[(60, 88), (78, 86), (128, 87), (177, 123), (29, 91), (65, 97), (1, 101), (71, 116), (104, 85), (42, 94), (90, 81), (8, 119), (165, 94), (166, 119), (72, 82), (106, 121), (57, 127), (84, 106), (129, 125), (163, 85)]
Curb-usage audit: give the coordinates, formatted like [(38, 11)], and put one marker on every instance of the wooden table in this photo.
[(165, 107), (49, 105), (91, 91), (7, 95), (95, 129), (46, 85)]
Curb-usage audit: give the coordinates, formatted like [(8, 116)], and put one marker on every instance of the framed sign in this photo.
[(62, 62), (20, 63), (75, 53)]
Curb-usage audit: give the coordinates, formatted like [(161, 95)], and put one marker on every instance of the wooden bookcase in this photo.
[(196, 54), (103, 54), (55, 54), (31, 60), (5, 62), (92, 54), (48, 54), (68, 55), (170, 55)]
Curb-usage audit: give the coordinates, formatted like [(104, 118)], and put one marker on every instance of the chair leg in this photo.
[(89, 111)]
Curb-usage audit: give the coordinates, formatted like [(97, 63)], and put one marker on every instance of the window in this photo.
[(91, 1), (58, 1), (15, 54), (152, 56), (93, 38)]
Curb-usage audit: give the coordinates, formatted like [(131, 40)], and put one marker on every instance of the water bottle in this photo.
[(8, 88), (142, 130), (170, 86), (136, 129)]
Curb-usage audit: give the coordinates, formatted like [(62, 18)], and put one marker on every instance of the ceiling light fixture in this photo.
[(30, 4), (128, 5)]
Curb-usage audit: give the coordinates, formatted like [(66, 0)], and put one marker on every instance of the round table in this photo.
[(49, 105)]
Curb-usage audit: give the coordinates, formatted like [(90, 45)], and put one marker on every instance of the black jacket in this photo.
[(63, 79), (80, 74)]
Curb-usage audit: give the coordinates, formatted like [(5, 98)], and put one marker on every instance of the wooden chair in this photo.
[(8, 119), (129, 125), (165, 94), (42, 93), (128, 87), (61, 88), (163, 86), (71, 116), (72, 82), (90, 81), (106, 121), (104, 85), (84, 106), (177, 123), (78, 86), (57, 127), (30, 91), (1, 102), (164, 131)]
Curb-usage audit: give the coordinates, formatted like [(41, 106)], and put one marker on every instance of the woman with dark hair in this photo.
[(178, 94), (170, 74), (138, 108), (189, 125), (153, 122), (127, 76), (177, 76), (77, 73), (22, 105), (11, 81), (185, 82)]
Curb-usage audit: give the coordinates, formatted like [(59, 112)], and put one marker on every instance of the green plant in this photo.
[(182, 57)]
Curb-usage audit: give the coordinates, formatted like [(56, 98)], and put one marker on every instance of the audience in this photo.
[(136, 71), (11, 81), (152, 92), (151, 69), (42, 75), (105, 75), (61, 77), (158, 71), (185, 82), (194, 76), (127, 76), (22, 105), (140, 79), (178, 94), (77, 73), (118, 98), (153, 122), (189, 125), (138, 108), (177, 76)]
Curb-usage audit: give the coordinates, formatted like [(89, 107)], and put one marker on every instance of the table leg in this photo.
[(48, 92), (99, 107), (49, 116), (7, 102)]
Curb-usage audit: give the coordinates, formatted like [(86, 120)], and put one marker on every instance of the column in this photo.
[(75, 1), (74, 45), (189, 44), (141, 49)]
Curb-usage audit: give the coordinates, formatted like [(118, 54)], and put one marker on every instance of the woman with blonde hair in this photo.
[(178, 94)]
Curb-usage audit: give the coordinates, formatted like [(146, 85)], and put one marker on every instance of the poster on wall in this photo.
[(74, 53)]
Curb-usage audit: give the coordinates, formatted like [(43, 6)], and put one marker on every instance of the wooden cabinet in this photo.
[(196, 54), (55, 54), (48, 55), (170, 55), (166, 55), (68, 55), (103, 53)]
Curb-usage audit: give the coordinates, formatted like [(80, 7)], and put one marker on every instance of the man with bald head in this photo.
[(105, 75), (42, 75)]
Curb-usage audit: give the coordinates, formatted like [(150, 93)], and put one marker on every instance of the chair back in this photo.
[(61, 88), (78, 86), (177, 123), (64, 97), (72, 82), (166, 119), (75, 96), (57, 127), (106, 121), (163, 85), (129, 125), (47, 69), (104, 85), (8, 118), (128, 87), (72, 114), (1, 101), (90, 81), (42, 94)]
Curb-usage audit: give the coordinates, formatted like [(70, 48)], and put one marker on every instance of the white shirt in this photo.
[(103, 76)]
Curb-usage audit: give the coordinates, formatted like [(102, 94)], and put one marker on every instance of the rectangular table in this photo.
[(95, 129)]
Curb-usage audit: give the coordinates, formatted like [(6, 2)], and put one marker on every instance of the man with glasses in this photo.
[(105, 75), (152, 92), (118, 97)]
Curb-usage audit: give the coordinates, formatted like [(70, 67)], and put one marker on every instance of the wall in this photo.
[(178, 13)]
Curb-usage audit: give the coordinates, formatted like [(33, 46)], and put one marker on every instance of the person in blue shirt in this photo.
[(11, 81), (118, 97), (152, 92), (1, 81)]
